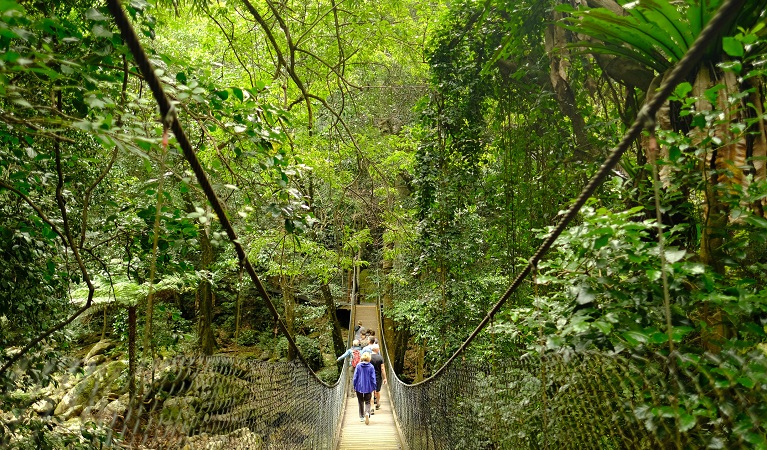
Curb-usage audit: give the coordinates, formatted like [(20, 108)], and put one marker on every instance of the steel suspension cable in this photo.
[(645, 118), (170, 120)]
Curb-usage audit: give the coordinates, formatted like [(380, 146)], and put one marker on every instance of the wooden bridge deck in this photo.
[(382, 432)]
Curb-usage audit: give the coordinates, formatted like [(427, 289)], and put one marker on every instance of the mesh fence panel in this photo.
[(200, 402), (586, 401)]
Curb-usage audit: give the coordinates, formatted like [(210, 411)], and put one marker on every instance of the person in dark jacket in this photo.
[(364, 384), (378, 364)]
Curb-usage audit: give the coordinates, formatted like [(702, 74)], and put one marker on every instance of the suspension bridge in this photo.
[(533, 399)]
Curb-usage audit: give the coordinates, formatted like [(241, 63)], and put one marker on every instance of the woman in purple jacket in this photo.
[(364, 382)]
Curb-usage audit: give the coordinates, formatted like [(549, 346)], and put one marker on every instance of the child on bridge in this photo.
[(364, 382)]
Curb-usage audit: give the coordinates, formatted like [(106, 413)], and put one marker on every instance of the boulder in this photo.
[(99, 348), (182, 412), (44, 407), (218, 392), (95, 360), (118, 407), (90, 389)]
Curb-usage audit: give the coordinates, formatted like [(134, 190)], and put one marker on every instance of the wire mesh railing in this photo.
[(587, 400), (189, 403)]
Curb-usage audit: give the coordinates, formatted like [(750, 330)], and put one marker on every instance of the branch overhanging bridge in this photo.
[(533, 399)]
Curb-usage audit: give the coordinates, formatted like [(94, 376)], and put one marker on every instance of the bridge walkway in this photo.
[(381, 433)]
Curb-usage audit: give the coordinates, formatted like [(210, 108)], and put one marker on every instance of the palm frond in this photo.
[(666, 16), (627, 53), (626, 31)]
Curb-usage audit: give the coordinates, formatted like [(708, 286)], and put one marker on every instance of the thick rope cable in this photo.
[(170, 119), (644, 119)]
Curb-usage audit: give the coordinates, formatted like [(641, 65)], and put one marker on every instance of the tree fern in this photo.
[(124, 292)]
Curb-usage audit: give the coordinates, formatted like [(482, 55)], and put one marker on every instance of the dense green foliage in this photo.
[(409, 153)]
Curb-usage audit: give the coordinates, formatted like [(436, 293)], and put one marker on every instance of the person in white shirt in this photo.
[(372, 343)]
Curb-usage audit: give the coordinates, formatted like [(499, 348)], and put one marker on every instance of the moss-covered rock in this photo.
[(91, 389), (99, 349), (181, 413)]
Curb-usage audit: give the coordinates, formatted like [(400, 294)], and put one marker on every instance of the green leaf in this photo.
[(682, 90), (238, 93), (658, 338), (100, 31), (757, 439), (635, 337), (665, 16), (604, 327), (678, 333), (686, 422), (659, 64), (756, 221), (673, 256), (733, 47), (627, 33), (584, 296), (746, 382), (95, 15)]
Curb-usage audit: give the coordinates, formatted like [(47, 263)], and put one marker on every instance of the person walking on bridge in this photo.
[(364, 382), (359, 330), (350, 351), (354, 351), (372, 343), (377, 361)]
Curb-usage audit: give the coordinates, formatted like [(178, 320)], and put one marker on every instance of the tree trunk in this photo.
[(205, 298), (387, 327), (401, 339), (289, 302), (715, 167), (555, 41), (338, 340), (421, 364), (132, 353)]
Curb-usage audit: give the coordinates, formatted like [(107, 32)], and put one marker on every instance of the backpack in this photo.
[(355, 357)]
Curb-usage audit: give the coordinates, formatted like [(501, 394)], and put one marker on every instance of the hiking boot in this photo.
[(367, 419)]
